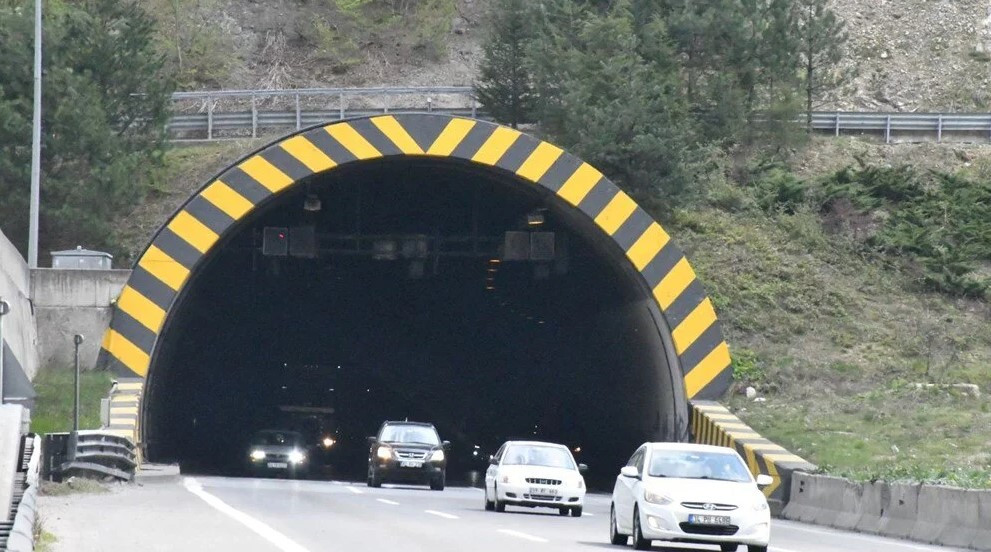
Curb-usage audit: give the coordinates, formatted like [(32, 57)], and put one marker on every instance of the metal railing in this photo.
[(225, 114)]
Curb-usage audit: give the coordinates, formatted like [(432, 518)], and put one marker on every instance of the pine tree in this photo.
[(505, 86), (822, 37)]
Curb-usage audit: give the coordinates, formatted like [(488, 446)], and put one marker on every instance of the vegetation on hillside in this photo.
[(56, 394)]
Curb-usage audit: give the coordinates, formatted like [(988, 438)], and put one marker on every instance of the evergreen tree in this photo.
[(822, 37), (505, 86)]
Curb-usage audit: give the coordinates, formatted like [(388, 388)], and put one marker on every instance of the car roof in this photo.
[(537, 443), (400, 422), (689, 447), (260, 431)]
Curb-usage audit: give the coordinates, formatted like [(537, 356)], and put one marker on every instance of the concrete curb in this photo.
[(933, 514), (152, 474)]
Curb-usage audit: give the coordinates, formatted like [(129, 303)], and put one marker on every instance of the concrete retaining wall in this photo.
[(68, 302), (932, 514), (18, 326)]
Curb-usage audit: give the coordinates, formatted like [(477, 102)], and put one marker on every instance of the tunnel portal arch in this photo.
[(698, 356)]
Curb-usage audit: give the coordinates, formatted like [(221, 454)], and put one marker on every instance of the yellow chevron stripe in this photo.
[(226, 199), (497, 145), (579, 184), (616, 212), (674, 283), (196, 233), (395, 132), (163, 267), (266, 174), (141, 309), (648, 245), (773, 472), (353, 141), (306, 153), (693, 326), (128, 353), (707, 370), (539, 161), (451, 137)]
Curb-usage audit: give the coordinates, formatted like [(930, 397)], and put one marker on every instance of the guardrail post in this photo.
[(939, 129), (254, 118), (887, 130), (430, 104), (474, 107), (299, 115), (209, 118), (837, 123), (340, 98)]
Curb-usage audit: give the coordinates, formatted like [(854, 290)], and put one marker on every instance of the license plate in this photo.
[(539, 491), (708, 520), (411, 464), (281, 465)]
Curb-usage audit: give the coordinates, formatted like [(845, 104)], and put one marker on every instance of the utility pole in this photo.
[(78, 340), (35, 144)]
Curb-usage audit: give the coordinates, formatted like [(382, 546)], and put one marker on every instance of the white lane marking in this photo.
[(441, 514), (843, 534), (355, 490), (588, 514), (521, 535), (282, 542), (779, 549), (387, 501)]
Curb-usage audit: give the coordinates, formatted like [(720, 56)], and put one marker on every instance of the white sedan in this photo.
[(532, 474), (689, 493)]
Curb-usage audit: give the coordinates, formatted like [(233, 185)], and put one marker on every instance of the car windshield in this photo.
[(276, 438), (535, 455), (409, 434), (687, 464)]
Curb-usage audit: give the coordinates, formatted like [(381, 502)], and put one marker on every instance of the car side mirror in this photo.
[(372, 440), (630, 471), (493, 461), (446, 445), (764, 480), (582, 468)]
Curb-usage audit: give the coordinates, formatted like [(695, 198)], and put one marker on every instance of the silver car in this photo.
[(277, 452)]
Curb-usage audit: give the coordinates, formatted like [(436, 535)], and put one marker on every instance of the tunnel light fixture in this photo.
[(311, 203), (535, 218), (495, 261)]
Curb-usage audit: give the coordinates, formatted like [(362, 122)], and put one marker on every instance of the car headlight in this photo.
[(760, 506), (328, 442), (383, 453), (656, 498), (437, 456), (505, 479), (258, 454), (296, 457)]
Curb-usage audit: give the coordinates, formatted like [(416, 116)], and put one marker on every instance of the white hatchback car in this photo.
[(532, 474), (689, 493)]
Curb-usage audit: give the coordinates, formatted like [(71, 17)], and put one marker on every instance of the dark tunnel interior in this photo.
[(401, 299)]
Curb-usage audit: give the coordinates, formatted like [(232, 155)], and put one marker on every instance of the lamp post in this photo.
[(4, 309), (35, 203), (78, 340)]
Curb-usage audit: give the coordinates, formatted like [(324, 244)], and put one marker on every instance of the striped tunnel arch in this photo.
[(180, 247)]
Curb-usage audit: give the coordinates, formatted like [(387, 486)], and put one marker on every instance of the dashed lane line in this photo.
[(282, 542), (441, 514), (387, 501), (522, 535), (356, 490)]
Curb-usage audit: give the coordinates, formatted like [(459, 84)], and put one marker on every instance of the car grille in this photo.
[(696, 529), (276, 457), (715, 507), (545, 498), (538, 481), (410, 455)]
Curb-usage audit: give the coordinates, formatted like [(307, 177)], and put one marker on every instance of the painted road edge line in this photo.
[(387, 501), (441, 514), (265, 531), (355, 490), (521, 535)]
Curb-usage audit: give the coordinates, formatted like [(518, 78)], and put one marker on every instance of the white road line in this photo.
[(588, 514), (282, 542), (521, 535), (356, 490), (779, 549), (387, 501), (441, 514), (868, 538)]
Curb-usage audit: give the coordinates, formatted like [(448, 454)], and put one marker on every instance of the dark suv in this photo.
[(409, 452)]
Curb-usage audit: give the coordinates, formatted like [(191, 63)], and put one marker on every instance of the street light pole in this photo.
[(78, 340), (4, 309), (35, 145)]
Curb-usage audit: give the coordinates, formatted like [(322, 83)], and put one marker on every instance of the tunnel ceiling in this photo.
[(534, 173)]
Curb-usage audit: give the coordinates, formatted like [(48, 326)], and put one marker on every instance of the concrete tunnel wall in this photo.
[(20, 338), (689, 334)]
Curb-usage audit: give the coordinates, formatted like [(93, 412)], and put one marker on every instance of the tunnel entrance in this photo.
[(413, 267)]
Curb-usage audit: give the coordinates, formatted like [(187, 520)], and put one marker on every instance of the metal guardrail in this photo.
[(17, 535), (224, 114), (96, 454)]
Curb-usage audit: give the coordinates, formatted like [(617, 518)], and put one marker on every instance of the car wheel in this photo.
[(639, 543), (615, 536), (374, 480), (437, 484), (562, 511), (728, 547), (754, 548), (576, 511), (500, 506), (489, 505)]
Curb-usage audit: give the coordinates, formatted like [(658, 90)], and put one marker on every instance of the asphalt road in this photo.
[(230, 514)]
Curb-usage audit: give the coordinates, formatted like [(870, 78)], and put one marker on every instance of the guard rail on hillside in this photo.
[(96, 454), (224, 114), (17, 534)]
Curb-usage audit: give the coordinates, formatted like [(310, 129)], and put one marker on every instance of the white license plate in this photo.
[(539, 491), (280, 465), (411, 464), (708, 520)]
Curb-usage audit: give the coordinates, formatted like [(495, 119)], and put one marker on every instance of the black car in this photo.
[(277, 452), (407, 452)]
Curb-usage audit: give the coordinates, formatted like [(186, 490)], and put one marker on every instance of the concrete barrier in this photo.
[(932, 514)]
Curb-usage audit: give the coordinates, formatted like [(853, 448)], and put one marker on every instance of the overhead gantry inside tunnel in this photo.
[(412, 266)]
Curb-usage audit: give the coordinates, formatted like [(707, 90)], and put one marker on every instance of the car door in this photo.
[(625, 491), (492, 473)]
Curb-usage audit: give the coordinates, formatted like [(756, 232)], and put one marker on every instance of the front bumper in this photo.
[(670, 523), (392, 470), (520, 495)]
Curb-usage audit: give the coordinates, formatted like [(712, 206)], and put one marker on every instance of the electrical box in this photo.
[(275, 241), (303, 242)]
